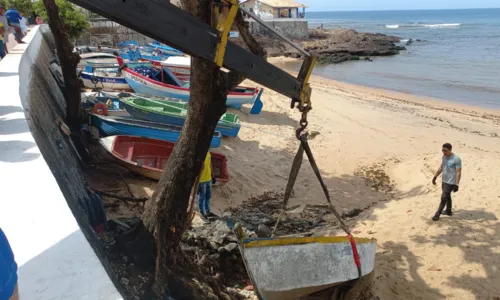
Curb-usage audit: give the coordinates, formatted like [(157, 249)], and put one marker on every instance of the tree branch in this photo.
[(68, 61), (235, 78)]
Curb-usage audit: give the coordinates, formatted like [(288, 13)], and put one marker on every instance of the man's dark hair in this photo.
[(447, 146)]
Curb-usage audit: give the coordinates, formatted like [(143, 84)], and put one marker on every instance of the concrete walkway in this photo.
[(55, 260)]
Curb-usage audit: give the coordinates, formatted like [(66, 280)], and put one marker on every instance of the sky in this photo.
[(345, 5)]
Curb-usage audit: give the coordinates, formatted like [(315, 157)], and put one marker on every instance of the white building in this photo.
[(275, 9)]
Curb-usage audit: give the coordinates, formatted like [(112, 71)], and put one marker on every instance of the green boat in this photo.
[(173, 113)]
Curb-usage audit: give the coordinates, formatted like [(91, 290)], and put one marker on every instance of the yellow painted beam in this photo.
[(224, 26)]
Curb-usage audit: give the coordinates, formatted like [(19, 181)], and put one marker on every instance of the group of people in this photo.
[(11, 19)]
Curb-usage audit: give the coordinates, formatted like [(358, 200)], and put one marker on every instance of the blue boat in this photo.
[(147, 53), (164, 48), (166, 85), (108, 126), (174, 113), (127, 43)]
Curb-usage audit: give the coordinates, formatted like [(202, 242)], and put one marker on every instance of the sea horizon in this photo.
[(458, 59), (394, 10)]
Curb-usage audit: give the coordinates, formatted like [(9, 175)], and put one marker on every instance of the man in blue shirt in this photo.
[(8, 270), (451, 167), (14, 18)]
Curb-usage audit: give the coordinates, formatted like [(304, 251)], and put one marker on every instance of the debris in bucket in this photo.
[(259, 214)]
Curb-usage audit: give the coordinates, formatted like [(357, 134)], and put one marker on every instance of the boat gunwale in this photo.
[(272, 242), (182, 114), (153, 125), (128, 160), (152, 81)]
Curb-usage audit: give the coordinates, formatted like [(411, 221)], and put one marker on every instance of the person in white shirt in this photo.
[(24, 27)]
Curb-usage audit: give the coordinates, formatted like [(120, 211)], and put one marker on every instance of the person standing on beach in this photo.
[(205, 190), (451, 167)]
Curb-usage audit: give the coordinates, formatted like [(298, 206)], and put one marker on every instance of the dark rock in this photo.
[(263, 231), (334, 46), (352, 213), (410, 41)]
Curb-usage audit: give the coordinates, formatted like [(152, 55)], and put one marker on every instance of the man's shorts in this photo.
[(8, 268)]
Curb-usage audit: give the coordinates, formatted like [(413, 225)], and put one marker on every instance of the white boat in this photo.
[(103, 78), (180, 66), (291, 268)]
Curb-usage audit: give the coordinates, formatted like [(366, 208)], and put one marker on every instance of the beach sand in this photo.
[(378, 151)]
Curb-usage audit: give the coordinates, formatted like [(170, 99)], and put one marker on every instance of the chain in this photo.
[(303, 120)]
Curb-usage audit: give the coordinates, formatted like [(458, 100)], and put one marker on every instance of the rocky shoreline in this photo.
[(335, 46)]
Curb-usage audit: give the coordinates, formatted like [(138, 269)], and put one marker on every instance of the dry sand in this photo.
[(378, 151), (365, 132)]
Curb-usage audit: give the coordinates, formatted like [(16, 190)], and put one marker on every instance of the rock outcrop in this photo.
[(335, 46)]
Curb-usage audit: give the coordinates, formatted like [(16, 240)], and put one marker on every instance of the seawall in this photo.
[(43, 187), (291, 28)]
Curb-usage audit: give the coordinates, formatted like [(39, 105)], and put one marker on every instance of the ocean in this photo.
[(458, 60)]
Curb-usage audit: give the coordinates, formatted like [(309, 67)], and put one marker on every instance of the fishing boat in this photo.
[(96, 55), (163, 47), (128, 126), (180, 66), (169, 87), (113, 104), (85, 49), (148, 157), (174, 113), (106, 77), (292, 268), (127, 43)]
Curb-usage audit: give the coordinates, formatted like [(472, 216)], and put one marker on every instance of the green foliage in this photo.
[(23, 6), (75, 19)]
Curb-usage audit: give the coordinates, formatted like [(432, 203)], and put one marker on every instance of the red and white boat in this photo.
[(148, 157)]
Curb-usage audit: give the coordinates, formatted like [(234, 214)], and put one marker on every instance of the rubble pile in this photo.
[(214, 247), (259, 214)]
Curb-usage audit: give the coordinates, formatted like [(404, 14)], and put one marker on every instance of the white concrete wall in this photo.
[(292, 28), (55, 259)]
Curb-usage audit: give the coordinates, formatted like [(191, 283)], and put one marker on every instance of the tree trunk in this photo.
[(68, 61), (166, 214), (168, 217)]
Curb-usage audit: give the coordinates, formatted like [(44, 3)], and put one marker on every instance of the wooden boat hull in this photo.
[(108, 126), (291, 268), (143, 113), (149, 87), (148, 157)]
